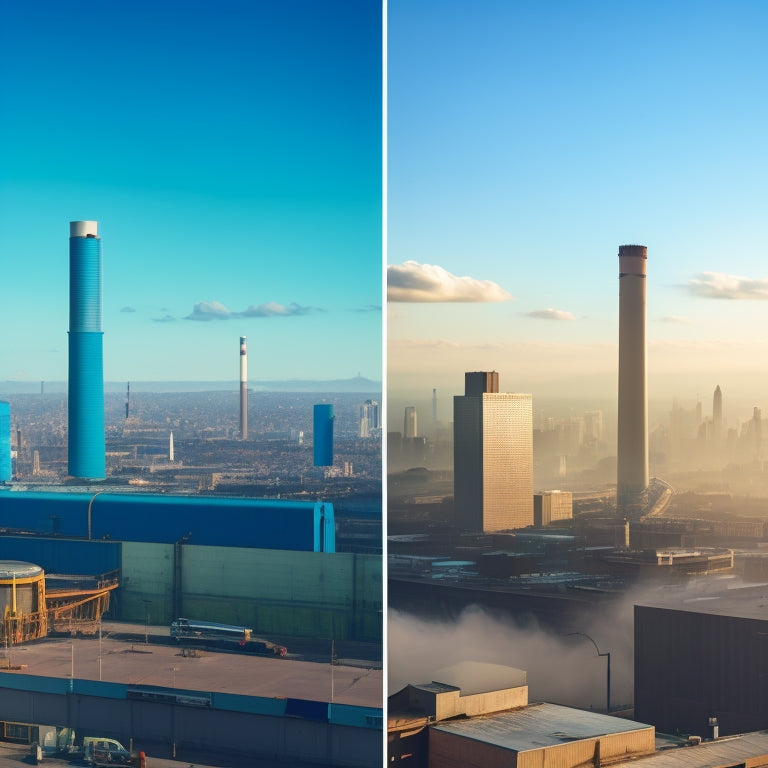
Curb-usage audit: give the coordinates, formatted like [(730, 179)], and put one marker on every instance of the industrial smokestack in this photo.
[(243, 390), (632, 458), (86, 456)]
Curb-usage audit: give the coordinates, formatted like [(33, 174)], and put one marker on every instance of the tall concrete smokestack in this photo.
[(632, 474), (86, 456), (243, 390)]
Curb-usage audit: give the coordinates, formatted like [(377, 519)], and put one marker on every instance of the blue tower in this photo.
[(323, 435), (86, 366), (5, 441)]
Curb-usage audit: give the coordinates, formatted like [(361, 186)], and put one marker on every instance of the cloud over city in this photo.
[(718, 285), (415, 282), (551, 314), (207, 311)]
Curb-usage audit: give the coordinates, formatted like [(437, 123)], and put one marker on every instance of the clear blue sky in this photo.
[(231, 153), (528, 140)]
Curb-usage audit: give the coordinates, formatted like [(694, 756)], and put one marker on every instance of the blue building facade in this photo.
[(307, 526), (323, 434), (86, 454), (5, 441)]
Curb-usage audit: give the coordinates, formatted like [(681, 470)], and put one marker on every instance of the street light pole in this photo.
[(607, 655)]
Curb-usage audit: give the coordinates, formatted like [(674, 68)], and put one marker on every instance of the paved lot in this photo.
[(135, 662), (12, 756)]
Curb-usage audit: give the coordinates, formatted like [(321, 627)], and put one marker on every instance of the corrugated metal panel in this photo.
[(63, 556), (211, 521), (357, 717), (256, 705), (146, 589), (104, 690), (308, 710), (751, 749), (301, 578), (35, 683), (539, 725)]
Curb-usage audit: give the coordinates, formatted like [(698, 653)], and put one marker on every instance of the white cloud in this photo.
[(551, 314), (209, 310), (676, 319), (272, 308), (718, 285), (415, 282), (214, 310)]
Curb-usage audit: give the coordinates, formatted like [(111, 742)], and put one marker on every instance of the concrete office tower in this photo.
[(243, 390), (717, 414), (632, 458), (410, 422), (170, 448), (323, 435), (492, 456), (86, 367), (5, 442)]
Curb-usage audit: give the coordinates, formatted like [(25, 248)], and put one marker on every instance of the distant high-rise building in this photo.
[(551, 506), (369, 418), (434, 405), (410, 423), (717, 414), (5, 441), (86, 453), (493, 455), (170, 448), (757, 431), (323, 435), (243, 389), (632, 457)]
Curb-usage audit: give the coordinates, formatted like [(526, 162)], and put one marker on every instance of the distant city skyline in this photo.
[(526, 143), (232, 157)]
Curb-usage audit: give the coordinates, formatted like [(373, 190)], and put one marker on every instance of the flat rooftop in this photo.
[(138, 663), (537, 726), (740, 602)]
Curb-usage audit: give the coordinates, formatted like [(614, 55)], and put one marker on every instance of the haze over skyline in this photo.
[(527, 142), (231, 154)]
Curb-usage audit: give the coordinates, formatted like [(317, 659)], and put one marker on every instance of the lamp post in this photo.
[(607, 655)]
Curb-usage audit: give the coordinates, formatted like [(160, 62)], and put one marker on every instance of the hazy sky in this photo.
[(231, 152), (527, 141)]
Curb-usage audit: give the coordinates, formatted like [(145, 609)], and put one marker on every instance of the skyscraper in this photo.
[(410, 422), (86, 368), (632, 457), (323, 435), (243, 389), (717, 414), (369, 418), (492, 455)]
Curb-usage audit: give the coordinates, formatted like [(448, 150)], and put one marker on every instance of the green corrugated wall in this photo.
[(275, 592)]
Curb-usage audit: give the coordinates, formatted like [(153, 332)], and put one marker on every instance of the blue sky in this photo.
[(527, 141), (231, 153)]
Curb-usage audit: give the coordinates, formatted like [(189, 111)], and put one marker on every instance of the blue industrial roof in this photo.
[(242, 522)]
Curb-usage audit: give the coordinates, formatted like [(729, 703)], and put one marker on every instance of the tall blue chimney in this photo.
[(86, 366), (323, 435), (5, 441)]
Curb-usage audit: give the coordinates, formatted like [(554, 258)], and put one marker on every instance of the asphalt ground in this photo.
[(17, 756), (123, 656)]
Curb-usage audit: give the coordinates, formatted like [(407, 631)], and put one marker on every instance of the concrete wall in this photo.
[(298, 594)]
